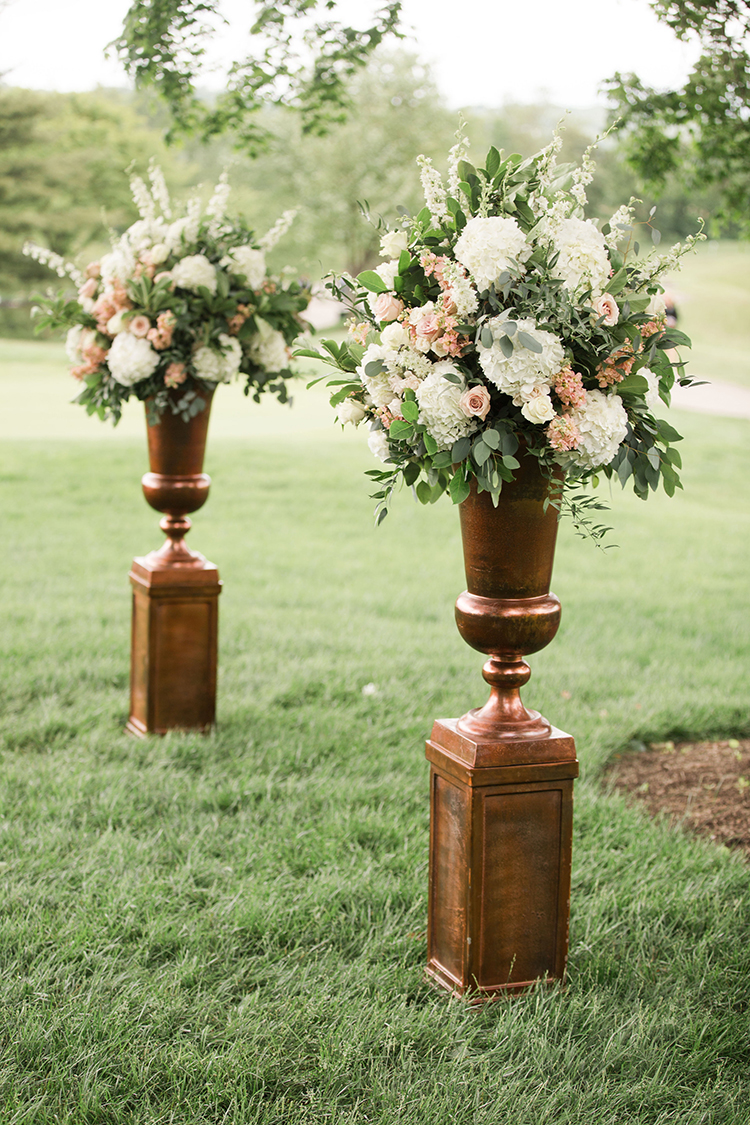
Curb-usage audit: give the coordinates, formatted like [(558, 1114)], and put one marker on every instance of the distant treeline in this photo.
[(63, 181)]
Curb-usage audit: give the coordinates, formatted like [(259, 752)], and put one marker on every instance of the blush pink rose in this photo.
[(606, 306), (387, 307), (429, 327), (88, 288), (140, 325), (475, 402)]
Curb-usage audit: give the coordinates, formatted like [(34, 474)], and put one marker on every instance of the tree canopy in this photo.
[(703, 129), (299, 57)]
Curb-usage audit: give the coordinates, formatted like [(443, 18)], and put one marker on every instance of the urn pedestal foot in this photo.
[(174, 645), (500, 855)]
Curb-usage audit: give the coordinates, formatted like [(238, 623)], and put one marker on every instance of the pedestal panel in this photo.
[(174, 647), (500, 860)]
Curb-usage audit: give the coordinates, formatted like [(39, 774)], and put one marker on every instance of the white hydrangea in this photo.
[(583, 262), (268, 347), (131, 358), (440, 407), (214, 366), (378, 386), (248, 261), (487, 247), (524, 371), (193, 272), (602, 424)]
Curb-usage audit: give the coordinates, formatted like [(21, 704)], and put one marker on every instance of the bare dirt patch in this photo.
[(704, 785)]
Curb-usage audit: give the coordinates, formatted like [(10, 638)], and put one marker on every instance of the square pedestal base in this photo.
[(500, 857), (174, 647)]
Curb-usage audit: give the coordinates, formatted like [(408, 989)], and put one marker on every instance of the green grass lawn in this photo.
[(232, 928)]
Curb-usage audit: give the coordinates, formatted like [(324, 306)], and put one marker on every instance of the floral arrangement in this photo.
[(179, 305), (504, 318)]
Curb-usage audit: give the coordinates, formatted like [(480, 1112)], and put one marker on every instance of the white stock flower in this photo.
[(131, 358), (377, 442), (523, 370), (487, 247), (218, 367), (440, 408), (583, 261), (602, 425), (278, 230), (249, 262), (268, 347), (193, 272), (393, 242)]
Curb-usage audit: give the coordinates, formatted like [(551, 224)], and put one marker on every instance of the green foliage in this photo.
[(699, 131), (163, 42)]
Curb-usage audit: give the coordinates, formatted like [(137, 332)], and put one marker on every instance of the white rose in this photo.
[(657, 306), (377, 442), (538, 407), (193, 272), (393, 243), (350, 411), (395, 336), (159, 253), (116, 324), (131, 358)]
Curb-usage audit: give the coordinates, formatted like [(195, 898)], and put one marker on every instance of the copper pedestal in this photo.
[(501, 809), (175, 592)]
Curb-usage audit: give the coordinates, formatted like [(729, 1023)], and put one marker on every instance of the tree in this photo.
[(701, 131), (298, 61)]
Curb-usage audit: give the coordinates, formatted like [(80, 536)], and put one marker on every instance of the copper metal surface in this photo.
[(175, 591), (501, 777), (507, 611)]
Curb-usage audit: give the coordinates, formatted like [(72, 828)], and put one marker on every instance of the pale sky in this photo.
[(482, 52)]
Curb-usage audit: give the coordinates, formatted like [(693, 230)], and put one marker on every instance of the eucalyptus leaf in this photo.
[(529, 342)]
